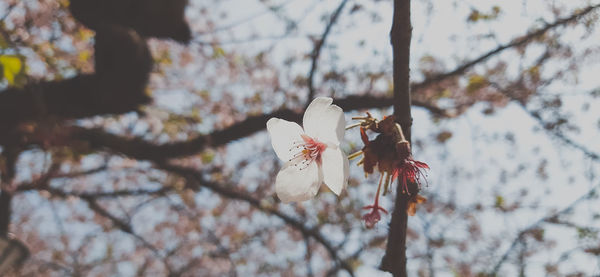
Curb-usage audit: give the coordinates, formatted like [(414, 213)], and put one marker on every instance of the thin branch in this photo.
[(549, 218), (317, 50), (520, 41), (537, 117), (99, 195), (196, 181), (308, 257), (120, 224)]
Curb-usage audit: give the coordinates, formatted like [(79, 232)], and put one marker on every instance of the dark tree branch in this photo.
[(196, 181), (5, 201), (157, 18), (394, 260), (317, 51), (98, 195), (123, 63), (142, 149), (18, 102), (7, 174)]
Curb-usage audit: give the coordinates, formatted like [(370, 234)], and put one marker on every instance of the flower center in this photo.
[(307, 151)]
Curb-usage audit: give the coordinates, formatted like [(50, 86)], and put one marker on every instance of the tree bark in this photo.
[(394, 260)]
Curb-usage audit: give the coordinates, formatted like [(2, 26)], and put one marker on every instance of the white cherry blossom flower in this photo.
[(312, 155)]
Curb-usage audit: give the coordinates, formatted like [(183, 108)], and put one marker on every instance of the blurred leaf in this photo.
[(499, 201), (3, 43), (583, 233), (11, 67), (443, 136), (218, 52), (476, 82), (84, 56), (208, 157), (476, 15)]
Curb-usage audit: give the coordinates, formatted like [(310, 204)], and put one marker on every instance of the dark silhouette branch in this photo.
[(317, 50), (7, 174), (149, 18), (394, 260), (123, 64), (142, 149), (98, 195), (30, 103)]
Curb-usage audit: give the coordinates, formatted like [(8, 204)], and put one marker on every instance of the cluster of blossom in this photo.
[(312, 156)]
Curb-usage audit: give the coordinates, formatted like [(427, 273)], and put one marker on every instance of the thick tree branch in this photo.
[(317, 51), (29, 103), (394, 260), (123, 63), (141, 149), (156, 18), (7, 174)]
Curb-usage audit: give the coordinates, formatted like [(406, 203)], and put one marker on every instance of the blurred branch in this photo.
[(317, 51), (520, 41), (139, 148), (97, 195), (120, 224), (308, 257), (196, 181), (537, 117), (549, 218)]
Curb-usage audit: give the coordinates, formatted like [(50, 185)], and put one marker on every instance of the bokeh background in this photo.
[(504, 107)]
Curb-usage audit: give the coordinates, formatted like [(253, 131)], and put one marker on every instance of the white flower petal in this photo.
[(335, 169), (283, 134), (295, 184), (324, 122)]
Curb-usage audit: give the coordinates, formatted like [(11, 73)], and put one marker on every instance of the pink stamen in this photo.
[(309, 150)]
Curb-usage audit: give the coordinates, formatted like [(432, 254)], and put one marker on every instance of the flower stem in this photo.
[(376, 204), (355, 154), (352, 126), (402, 138)]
